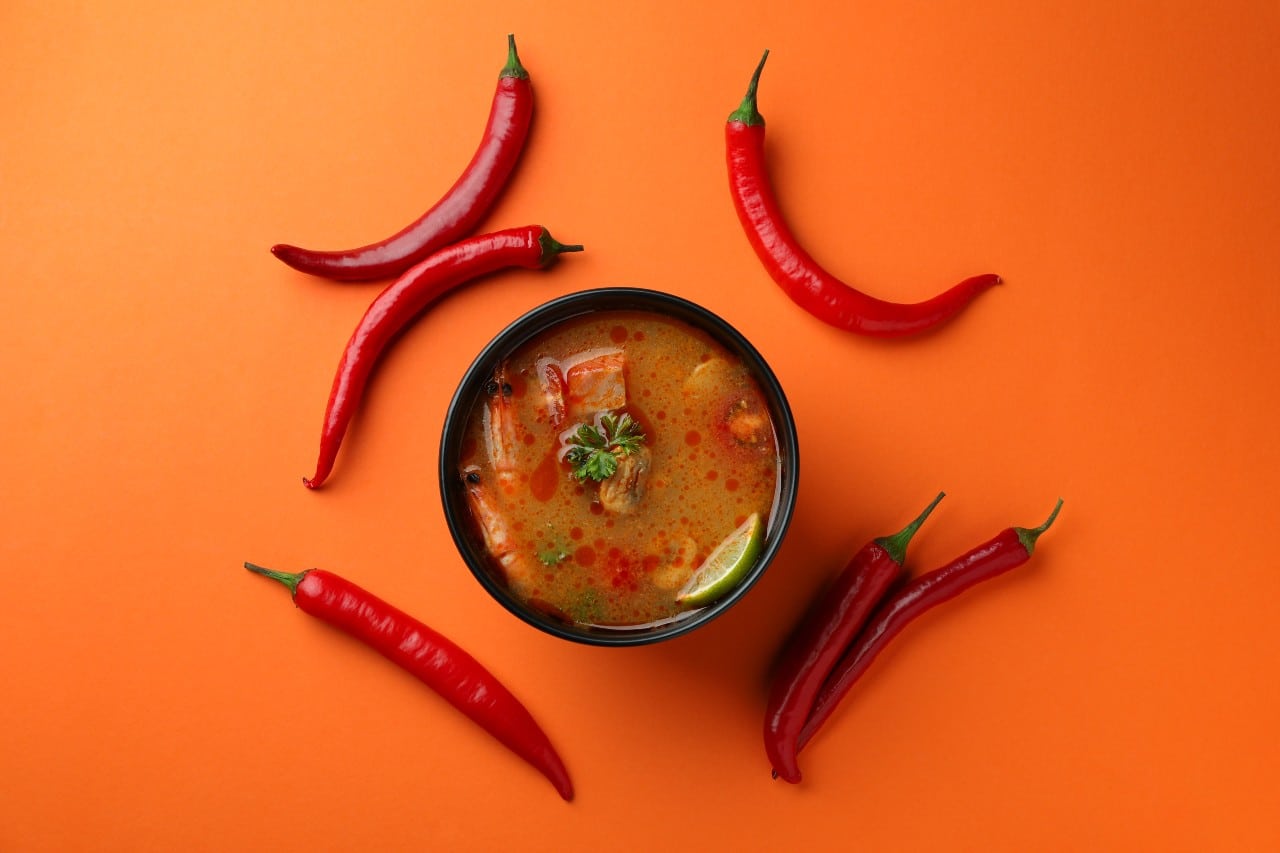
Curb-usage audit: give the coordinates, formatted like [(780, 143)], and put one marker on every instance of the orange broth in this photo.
[(709, 460)]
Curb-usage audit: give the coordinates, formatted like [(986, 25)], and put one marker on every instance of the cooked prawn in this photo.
[(551, 378), (499, 539), (676, 564), (501, 429)]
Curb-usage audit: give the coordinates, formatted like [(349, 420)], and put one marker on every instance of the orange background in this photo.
[(165, 378)]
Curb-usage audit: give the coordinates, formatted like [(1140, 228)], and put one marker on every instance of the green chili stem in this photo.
[(551, 247), (513, 68), (747, 113), (289, 579), (896, 544), (1028, 537)]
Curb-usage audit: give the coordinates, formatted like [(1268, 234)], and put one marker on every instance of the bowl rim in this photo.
[(558, 310)]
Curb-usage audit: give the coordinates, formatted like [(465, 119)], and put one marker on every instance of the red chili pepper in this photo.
[(1007, 550), (434, 659), (462, 207), (395, 307), (800, 276), (823, 636)]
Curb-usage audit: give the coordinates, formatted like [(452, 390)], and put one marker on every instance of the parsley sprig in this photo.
[(596, 450)]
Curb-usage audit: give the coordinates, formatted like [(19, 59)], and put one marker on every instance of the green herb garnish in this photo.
[(595, 451), (555, 551), (588, 607), (552, 556)]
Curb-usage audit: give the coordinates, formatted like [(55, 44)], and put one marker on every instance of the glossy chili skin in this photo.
[(404, 299), (1009, 549), (458, 212), (802, 278), (431, 657), (822, 637)]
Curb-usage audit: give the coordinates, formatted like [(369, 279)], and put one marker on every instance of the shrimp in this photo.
[(749, 424), (501, 429), (499, 539), (675, 562), (551, 378)]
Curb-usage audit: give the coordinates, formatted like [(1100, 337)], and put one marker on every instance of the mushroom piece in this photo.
[(710, 378), (623, 492)]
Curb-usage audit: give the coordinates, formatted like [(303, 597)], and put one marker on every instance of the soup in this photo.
[(608, 458)]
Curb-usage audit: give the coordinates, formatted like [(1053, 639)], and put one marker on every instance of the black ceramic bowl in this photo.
[(471, 391)]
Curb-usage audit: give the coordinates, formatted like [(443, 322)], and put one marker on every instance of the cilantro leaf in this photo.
[(555, 551), (595, 450)]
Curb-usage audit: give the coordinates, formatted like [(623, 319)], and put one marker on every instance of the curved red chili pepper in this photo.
[(462, 207), (431, 657), (822, 638), (796, 272), (395, 308), (1007, 550)]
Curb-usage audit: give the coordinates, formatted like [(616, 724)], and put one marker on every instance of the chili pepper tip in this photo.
[(288, 254)]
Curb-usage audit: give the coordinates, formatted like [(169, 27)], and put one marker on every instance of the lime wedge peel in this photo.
[(726, 566)]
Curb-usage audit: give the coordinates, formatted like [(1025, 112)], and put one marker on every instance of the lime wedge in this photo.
[(726, 565)]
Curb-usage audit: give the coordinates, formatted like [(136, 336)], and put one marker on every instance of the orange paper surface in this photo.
[(165, 377)]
